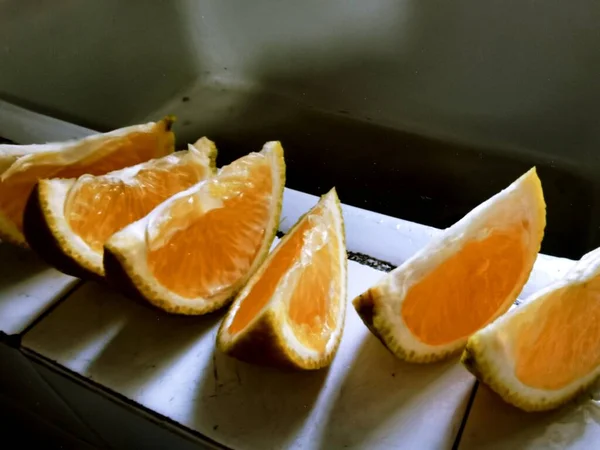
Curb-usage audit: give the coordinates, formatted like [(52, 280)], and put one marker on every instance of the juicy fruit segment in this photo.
[(195, 250), (282, 261), (460, 295), (220, 226), (68, 221), (468, 275), (306, 262), (291, 312), (314, 304), (98, 207), (95, 155), (561, 345), (545, 352)]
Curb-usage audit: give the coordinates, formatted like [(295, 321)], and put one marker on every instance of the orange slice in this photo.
[(545, 352), (95, 155), (67, 221), (194, 251), (468, 275), (291, 312)]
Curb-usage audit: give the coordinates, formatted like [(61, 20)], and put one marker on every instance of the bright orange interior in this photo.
[(116, 154), (208, 252), (99, 207), (312, 311), (462, 294), (561, 344)]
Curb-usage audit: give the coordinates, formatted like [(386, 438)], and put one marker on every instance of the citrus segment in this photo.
[(195, 250), (225, 219), (463, 279), (463, 292), (95, 155), (545, 352), (292, 310), (67, 221), (563, 346)]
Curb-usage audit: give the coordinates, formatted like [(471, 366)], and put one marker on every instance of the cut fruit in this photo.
[(468, 275), (545, 352), (194, 251), (291, 313), (68, 221), (94, 155)]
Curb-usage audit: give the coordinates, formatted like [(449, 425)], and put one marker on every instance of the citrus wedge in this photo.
[(194, 251), (291, 313), (67, 221), (95, 155), (468, 275), (545, 352)]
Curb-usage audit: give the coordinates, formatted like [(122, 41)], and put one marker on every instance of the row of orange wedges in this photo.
[(167, 228), (170, 229)]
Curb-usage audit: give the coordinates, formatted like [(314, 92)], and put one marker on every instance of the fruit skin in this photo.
[(42, 241), (475, 362), (117, 277), (10, 234), (261, 344), (121, 273), (366, 305), (371, 305)]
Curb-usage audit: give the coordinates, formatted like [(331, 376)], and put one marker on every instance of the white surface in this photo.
[(383, 237), (28, 287), (367, 399), (26, 127), (496, 425)]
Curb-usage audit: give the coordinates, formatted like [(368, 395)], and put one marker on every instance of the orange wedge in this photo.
[(95, 155), (194, 251), (291, 312), (67, 221), (545, 352), (468, 275)]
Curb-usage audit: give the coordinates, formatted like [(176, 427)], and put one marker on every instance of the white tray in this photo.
[(28, 287)]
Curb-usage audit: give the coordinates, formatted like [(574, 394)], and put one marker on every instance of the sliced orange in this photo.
[(194, 251), (95, 155), (545, 352), (291, 312), (67, 221), (468, 275)]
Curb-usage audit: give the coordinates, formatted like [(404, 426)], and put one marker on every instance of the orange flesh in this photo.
[(99, 207), (463, 293), (312, 310), (561, 344), (218, 246), (137, 148), (263, 290)]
